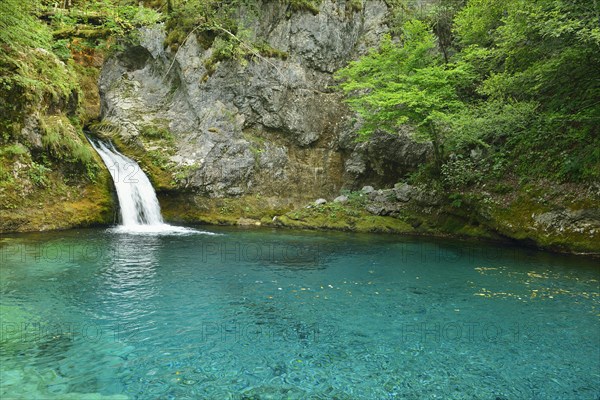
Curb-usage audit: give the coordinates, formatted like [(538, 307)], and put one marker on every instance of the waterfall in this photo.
[(137, 199), (140, 211)]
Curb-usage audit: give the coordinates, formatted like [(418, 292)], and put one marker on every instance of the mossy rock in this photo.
[(516, 221), (335, 216), (192, 208), (61, 205)]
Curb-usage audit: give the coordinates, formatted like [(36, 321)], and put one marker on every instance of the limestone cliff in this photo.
[(270, 126)]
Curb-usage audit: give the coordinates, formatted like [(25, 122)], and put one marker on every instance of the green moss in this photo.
[(190, 208), (31, 81), (459, 226), (157, 131), (517, 221), (104, 129), (87, 78), (266, 50), (57, 204), (345, 217), (355, 5), (382, 224), (66, 143), (305, 5), (362, 223)]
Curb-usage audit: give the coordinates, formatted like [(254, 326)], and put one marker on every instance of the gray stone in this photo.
[(427, 197), (318, 202), (375, 209), (382, 196), (404, 192), (367, 189), (384, 156), (579, 221), (341, 199), (371, 194)]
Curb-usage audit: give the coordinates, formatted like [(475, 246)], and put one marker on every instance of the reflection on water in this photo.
[(126, 281)]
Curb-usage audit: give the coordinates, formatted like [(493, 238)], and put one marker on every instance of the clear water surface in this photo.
[(263, 314)]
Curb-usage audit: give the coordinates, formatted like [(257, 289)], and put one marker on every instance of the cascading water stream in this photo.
[(137, 199), (140, 211)]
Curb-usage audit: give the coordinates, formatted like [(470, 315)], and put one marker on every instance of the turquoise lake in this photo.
[(236, 313)]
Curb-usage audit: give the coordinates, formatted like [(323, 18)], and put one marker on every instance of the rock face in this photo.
[(271, 126), (580, 221)]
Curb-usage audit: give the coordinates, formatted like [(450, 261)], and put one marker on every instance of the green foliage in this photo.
[(183, 174), (460, 172), (355, 199), (63, 143), (37, 173), (200, 17), (14, 150), (159, 159), (557, 71), (440, 16), (490, 122), (517, 78), (222, 25), (407, 83), (141, 16), (97, 23), (456, 200), (224, 49), (477, 21), (19, 28), (61, 49), (31, 75)]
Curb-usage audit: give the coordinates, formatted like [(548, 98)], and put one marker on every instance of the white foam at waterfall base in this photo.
[(140, 211)]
